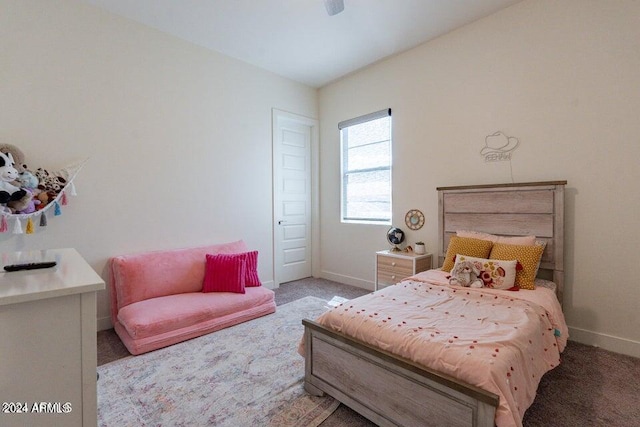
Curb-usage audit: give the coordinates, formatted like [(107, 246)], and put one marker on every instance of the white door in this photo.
[(292, 193)]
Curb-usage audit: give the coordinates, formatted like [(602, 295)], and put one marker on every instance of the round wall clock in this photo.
[(414, 219)]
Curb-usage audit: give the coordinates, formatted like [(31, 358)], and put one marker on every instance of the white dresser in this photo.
[(48, 341)]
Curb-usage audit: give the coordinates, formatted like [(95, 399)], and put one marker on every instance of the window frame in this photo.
[(386, 113)]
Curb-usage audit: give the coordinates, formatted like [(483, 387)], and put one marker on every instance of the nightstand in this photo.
[(392, 267)]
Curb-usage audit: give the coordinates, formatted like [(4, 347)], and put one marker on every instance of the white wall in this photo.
[(179, 138), (560, 76)]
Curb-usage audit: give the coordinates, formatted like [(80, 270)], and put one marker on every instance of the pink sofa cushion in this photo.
[(155, 274), (225, 273), (168, 313)]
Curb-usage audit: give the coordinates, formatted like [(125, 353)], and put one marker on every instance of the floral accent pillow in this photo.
[(465, 246), (495, 274)]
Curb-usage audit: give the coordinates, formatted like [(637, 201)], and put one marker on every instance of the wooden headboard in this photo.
[(509, 210)]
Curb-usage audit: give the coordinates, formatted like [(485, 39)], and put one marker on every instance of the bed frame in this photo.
[(392, 391)]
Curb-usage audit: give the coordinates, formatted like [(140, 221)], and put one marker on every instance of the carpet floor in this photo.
[(227, 379), (591, 387)]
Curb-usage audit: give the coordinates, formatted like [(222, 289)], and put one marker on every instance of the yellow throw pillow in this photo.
[(528, 257), (465, 246)]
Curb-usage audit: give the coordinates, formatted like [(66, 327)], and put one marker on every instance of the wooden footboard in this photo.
[(389, 390)]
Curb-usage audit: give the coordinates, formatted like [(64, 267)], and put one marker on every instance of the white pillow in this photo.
[(495, 274)]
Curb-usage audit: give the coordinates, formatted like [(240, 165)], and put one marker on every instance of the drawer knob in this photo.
[(393, 277), (393, 264)]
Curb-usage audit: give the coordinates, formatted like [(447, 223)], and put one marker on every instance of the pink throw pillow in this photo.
[(513, 240), (225, 273), (251, 278)]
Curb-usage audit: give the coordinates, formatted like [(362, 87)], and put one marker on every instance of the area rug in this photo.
[(246, 375)]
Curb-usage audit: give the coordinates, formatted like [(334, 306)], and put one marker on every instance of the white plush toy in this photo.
[(465, 273), (8, 173)]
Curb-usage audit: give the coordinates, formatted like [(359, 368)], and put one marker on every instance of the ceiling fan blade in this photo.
[(334, 6)]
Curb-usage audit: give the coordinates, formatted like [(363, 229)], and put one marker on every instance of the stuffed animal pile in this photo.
[(21, 190)]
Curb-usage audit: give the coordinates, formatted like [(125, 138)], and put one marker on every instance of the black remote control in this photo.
[(29, 266)]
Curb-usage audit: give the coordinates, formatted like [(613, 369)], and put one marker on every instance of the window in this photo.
[(366, 168)]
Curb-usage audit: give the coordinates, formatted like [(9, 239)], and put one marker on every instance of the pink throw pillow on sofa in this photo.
[(251, 278), (225, 273)]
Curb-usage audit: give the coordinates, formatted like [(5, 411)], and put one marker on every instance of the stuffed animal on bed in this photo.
[(465, 273)]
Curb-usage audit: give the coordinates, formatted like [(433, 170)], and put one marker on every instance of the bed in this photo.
[(398, 386)]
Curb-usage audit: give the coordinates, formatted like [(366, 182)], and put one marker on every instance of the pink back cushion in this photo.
[(154, 274), (509, 240), (225, 273)]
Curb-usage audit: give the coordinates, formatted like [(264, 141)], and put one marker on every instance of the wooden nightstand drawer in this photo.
[(395, 265), (390, 278), (392, 267)]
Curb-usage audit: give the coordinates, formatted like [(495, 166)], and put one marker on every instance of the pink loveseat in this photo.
[(157, 298)]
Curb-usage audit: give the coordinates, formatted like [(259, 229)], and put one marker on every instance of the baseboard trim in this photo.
[(607, 342), (270, 284), (104, 323), (347, 280)]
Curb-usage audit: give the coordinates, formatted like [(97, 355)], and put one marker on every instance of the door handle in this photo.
[(281, 222)]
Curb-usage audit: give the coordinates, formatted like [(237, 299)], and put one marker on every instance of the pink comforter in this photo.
[(497, 340)]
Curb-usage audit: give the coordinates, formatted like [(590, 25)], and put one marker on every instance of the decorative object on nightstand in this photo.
[(395, 237), (414, 219), (420, 248), (392, 267)]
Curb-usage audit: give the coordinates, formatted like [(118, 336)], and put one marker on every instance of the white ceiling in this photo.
[(297, 39)]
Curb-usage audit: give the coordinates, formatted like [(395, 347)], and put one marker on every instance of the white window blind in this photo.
[(366, 168)]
